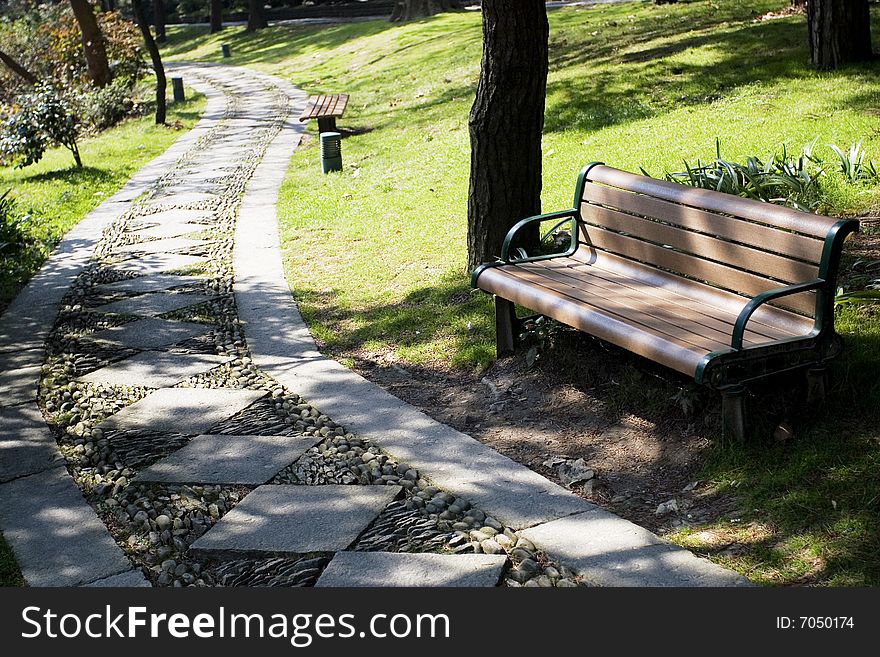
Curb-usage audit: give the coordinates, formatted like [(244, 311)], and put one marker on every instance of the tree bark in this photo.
[(159, 20), (17, 68), (216, 15), (161, 83), (256, 15), (93, 42), (405, 10), (506, 123), (840, 32)]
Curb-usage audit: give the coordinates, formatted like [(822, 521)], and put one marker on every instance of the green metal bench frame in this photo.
[(725, 370)]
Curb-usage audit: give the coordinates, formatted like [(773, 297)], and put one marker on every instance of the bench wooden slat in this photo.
[(664, 349), (697, 268), (688, 308), (325, 106), (632, 311), (736, 255), (638, 305), (761, 236), (711, 299), (764, 213)]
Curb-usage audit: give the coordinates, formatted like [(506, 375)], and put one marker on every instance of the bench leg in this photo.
[(327, 125), (733, 421), (505, 327), (817, 383)]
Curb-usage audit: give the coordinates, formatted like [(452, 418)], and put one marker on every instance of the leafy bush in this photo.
[(12, 224), (46, 40), (782, 179), (44, 119), (853, 165), (102, 108)]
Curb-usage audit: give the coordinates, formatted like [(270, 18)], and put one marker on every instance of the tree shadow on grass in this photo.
[(72, 175)]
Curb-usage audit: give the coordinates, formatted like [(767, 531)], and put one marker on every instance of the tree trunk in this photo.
[(17, 68), (161, 83), (505, 123), (840, 32), (405, 10), (93, 42), (256, 15), (159, 20), (216, 15)]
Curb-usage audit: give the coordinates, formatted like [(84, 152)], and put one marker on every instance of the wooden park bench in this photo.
[(723, 289), (326, 109)]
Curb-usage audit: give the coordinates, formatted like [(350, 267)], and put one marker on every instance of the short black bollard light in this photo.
[(331, 152), (225, 48), (177, 86)]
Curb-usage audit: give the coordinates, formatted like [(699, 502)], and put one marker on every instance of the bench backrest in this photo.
[(741, 245)]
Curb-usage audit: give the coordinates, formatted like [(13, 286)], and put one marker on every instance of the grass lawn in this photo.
[(55, 195), (376, 255), (10, 575)]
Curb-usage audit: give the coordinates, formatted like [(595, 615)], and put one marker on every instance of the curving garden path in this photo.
[(166, 419)]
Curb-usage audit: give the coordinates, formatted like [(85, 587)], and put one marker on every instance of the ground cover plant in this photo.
[(375, 255)]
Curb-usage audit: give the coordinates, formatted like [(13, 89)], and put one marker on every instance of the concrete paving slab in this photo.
[(154, 369), (175, 216), (229, 459), (56, 536), (149, 333), (288, 519), (607, 550), (182, 410), (130, 579), (161, 246), (163, 231), (155, 283), (158, 263), (19, 385), (27, 445), (152, 304), (187, 198), (13, 360), (382, 569)]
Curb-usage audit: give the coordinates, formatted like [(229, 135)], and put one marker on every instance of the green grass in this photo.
[(10, 575), (56, 195), (376, 255)]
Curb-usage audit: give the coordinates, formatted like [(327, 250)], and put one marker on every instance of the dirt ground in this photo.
[(646, 448)]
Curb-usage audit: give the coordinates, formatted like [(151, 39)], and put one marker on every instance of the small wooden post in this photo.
[(177, 86), (224, 48), (505, 327), (733, 421)]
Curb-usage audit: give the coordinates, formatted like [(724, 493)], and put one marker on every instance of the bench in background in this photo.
[(326, 109)]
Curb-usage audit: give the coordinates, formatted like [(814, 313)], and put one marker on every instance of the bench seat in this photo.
[(667, 319)]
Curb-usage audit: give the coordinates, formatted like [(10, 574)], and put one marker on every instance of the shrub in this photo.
[(12, 224), (99, 109), (44, 119), (45, 39), (853, 165), (782, 179)]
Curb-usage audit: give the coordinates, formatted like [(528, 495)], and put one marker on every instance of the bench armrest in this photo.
[(746, 313), (563, 215)]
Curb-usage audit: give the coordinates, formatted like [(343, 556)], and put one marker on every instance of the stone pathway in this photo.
[(167, 420)]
